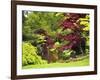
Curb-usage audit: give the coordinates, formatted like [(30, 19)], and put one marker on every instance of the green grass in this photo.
[(83, 62)]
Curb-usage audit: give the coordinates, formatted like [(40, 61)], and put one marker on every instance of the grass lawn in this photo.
[(83, 62)]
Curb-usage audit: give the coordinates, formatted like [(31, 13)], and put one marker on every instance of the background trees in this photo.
[(40, 20)]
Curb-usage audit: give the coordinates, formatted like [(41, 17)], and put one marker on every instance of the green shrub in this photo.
[(30, 55), (66, 54)]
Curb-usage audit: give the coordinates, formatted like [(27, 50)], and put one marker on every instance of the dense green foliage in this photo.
[(53, 36), (66, 54), (30, 55), (41, 20)]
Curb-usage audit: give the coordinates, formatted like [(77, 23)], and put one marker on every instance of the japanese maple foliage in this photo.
[(75, 38)]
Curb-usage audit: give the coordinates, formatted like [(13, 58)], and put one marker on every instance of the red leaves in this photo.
[(72, 23), (72, 37), (64, 47), (49, 41), (74, 41), (74, 16), (67, 24)]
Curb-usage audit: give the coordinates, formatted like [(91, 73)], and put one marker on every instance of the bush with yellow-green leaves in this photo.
[(30, 55)]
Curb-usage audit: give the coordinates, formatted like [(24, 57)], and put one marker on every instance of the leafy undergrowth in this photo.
[(84, 61)]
